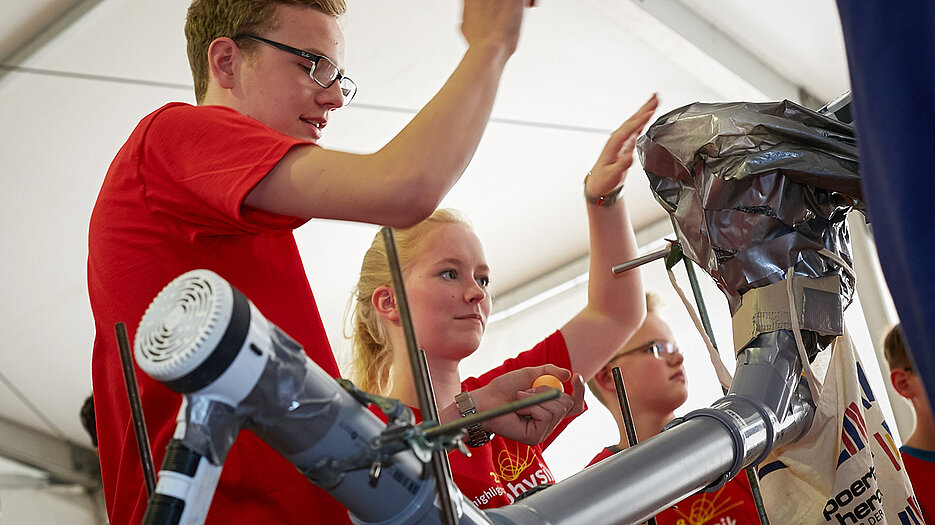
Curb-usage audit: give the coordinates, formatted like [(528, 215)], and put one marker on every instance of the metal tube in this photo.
[(704, 449), (706, 323), (641, 260), (634, 484)]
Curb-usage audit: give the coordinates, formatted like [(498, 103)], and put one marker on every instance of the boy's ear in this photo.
[(605, 379), (384, 302), (221, 55), (901, 383)]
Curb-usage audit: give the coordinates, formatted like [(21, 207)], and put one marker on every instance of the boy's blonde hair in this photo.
[(894, 349), (211, 19)]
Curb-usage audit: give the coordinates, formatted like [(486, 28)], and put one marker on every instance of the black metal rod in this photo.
[(632, 440), (419, 374), (440, 461), (757, 496), (429, 387), (624, 407), (136, 408), (479, 417), (423, 383), (396, 439), (696, 292)]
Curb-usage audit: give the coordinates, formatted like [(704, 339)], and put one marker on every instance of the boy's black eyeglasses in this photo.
[(661, 350), (323, 71)]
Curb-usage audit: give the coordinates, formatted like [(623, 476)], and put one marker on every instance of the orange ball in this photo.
[(548, 380)]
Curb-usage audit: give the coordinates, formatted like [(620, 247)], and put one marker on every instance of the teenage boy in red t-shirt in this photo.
[(651, 366), (221, 186)]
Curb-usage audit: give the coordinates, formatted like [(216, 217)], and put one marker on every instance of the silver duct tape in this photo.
[(303, 414), (292, 406), (756, 189), (766, 309)]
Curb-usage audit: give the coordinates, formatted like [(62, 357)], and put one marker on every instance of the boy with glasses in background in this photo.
[(656, 385), (221, 186)]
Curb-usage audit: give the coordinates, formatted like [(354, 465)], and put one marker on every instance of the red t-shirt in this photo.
[(173, 201), (732, 504), (920, 467), (499, 471)]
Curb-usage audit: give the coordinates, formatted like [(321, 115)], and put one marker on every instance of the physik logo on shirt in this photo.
[(520, 469), (707, 511)]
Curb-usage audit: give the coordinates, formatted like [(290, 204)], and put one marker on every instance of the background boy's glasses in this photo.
[(661, 350)]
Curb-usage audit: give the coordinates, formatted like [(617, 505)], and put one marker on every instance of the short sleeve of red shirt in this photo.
[(551, 350), (182, 141), (605, 453)]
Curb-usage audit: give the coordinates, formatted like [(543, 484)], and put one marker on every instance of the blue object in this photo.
[(891, 55)]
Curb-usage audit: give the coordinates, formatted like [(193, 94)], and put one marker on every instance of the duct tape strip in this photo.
[(767, 309)]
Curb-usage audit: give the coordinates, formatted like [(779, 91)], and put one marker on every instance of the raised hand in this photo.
[(610, 170), (493, 22)]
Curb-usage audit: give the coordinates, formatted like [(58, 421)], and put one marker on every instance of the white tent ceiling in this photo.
[(77, 76)]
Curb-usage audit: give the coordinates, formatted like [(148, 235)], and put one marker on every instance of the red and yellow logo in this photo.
[(511, 464)]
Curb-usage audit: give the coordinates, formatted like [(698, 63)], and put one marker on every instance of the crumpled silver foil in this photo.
[(756, 188)]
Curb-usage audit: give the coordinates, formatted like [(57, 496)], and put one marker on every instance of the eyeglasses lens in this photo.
[(348, 89), (324, 72), (664, 349)]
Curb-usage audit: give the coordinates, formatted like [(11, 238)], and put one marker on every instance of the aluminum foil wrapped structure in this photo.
[(759, 195), (756, 188)]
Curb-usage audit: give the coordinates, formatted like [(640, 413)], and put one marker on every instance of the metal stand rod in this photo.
[(512, 406), (624, 407), (632, 440), (136, 408), (706, 322), (757, 497), (423, 382)]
